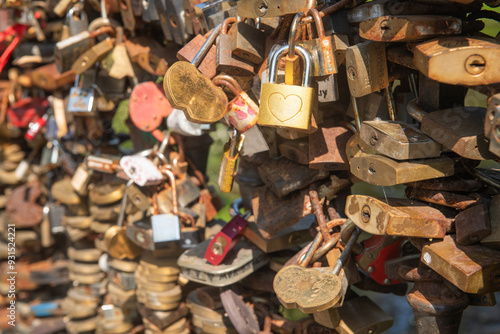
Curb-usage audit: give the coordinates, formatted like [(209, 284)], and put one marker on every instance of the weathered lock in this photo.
[(49, 78), (398, 140), (148, 107), (211, 13), (91, 56), (459, 60), (471, 268), (67, 51), (244, 259), (188, 89), (366, 67), (460, 129), (383, 171), (473, 224), (208, 65), (81, 100), (374, 319), (149, 12), (270, 8), (404, 28), (493, 240), (246, 42), (327, 147), (117, 63), (225, 240), (287, 106), (283, 176), (321, 49), (242, 111), (230, 156), (172, 21), (224, 61), (378, 217)]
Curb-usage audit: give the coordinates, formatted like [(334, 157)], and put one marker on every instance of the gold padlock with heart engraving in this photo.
[(287, 106)]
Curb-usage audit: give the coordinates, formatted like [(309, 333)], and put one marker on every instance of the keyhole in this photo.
[(384, 25), (475, 64), (261, 8), (373, 139), (365, 214)]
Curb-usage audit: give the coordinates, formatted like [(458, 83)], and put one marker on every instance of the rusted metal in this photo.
[(327, 147), (448, 184), (473, 224), (189, 51), (283, 176), (327, 246), (437, 307), (311, 249), (452, 200), (318, 212), (23, 208)]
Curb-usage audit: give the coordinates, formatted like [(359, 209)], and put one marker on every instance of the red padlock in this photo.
[(148, 107), (377, 250), (27, 111), (35, 127), (225, 240)]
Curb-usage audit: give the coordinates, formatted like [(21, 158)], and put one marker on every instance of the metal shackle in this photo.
[(276, 56)]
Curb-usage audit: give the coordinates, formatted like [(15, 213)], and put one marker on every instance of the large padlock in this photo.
[(287, 106)]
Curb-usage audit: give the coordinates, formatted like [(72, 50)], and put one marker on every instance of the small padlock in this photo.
[(286, 105), (246, 42), (230, 156), (224, 61), (242, 111), (81, 100)]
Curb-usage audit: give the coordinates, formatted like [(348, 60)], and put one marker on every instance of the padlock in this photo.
[(460, 129), (321, 49), (445, 198), (473, 224), (296, 150), (246, 42), (493, 240), (398, 140), (225, 240), (225, 61), (374, 319), (245, 259), (148, 107), (270, 8), (67, 51), (404, 28), (150, 12), (286, 105), (117, 63), (473, 54), (327, 147), (366, 67), (283, 176), (230, 156), (93, 55), (49, 78), (471, 268), (378, 217), (81, 100), (27, 110), (383, 171), (172, 21), (242, 111), (184, 82), (213, 12), (127, 15), (207, 65)]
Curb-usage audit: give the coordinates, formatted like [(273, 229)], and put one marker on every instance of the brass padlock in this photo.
[(230, 156), (459, 60), (287, 105), (366, 67), (472, 268), (376, 216)]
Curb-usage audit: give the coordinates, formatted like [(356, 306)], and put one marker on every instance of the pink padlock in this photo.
[(242, 111)]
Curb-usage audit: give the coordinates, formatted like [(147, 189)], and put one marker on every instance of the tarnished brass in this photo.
[(366, 67), (270, 8), (401, 217), (459, 60), (189, 90), (92, 55), (403, 28), (383, 171), (472, 268), (107, 193), (361, 315), (398, 140), (310, 290)]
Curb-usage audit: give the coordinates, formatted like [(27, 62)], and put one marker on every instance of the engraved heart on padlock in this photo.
[(310, 290), (284, 107)]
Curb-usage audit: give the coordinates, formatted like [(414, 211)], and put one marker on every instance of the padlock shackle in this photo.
[(225, 25), (206, 46), (320, 28), (221, 82), (293, 31), (276, 56), (234, 85)]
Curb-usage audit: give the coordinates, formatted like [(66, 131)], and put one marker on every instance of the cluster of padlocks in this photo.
[(363, 137)]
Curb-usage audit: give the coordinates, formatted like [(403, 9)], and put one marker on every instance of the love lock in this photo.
[(148, 107)]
